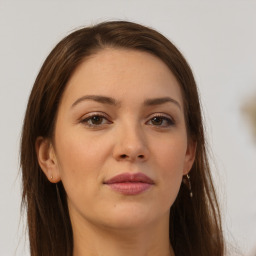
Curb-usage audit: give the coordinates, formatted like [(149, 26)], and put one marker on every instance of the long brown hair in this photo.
[(195, 224)]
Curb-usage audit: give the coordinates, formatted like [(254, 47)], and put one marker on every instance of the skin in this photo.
[(130, 137)]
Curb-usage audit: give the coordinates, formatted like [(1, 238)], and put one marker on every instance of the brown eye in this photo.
[(95, 121), (157, 120), (161, 121)]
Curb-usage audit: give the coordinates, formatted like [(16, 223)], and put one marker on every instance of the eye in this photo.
[(95, 120), (161, 121)]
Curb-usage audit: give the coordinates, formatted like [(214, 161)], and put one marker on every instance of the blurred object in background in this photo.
[(253, 252), (249, 110)]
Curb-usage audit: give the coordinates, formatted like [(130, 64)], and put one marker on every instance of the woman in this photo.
[(113, 151)]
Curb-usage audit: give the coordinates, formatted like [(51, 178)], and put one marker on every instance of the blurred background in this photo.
[(219, 41)]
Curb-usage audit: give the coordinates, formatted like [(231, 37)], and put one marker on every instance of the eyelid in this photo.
[(96, 113), (160, 114)]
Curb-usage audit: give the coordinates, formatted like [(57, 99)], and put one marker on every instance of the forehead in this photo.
[(123, 74)]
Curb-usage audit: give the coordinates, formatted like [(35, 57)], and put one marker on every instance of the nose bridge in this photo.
[(130, 141)]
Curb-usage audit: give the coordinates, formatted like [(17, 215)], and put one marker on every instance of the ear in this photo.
[(190, 156), (47, 159)]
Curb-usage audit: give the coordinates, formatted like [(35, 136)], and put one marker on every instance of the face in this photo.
[(121, 113)]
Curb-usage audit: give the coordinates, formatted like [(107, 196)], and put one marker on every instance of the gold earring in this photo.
[(188, 183), (189, 186)]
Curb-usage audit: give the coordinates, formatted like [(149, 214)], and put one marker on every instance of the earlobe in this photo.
[(47, 159), (190, 156)]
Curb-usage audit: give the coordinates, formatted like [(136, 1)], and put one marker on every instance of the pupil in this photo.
[(96, 120), (157, 120)]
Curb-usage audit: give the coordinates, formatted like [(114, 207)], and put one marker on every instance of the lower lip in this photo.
[(130, 188)]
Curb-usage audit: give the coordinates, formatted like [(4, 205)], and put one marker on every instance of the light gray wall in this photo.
[(217, 38)]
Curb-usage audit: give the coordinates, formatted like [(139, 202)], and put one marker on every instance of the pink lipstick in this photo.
[(130, 183)]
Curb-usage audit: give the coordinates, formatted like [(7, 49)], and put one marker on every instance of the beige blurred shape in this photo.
[(249, 111)]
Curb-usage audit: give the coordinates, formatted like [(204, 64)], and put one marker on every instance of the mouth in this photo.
[(130, 183)]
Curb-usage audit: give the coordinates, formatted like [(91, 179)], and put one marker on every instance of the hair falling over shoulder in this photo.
[(195, 223)]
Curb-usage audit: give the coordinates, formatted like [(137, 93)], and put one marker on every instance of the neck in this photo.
[(151, 240)]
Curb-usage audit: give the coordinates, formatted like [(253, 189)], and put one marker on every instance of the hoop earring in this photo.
[(188, 183)]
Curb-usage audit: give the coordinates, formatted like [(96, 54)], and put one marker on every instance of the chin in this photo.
[(129, 216)]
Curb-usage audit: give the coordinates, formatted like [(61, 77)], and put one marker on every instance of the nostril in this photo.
[(125, 156)]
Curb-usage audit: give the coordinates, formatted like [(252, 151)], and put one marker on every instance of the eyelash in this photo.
[(169, 121), (91, 116)]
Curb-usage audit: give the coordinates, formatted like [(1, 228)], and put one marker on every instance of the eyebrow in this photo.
[(112, 101), (159, 101), (97, 98)]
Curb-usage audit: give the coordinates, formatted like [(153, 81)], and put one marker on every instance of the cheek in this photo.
[(78, 152), (80, 159), (170, 154), (170, 160)]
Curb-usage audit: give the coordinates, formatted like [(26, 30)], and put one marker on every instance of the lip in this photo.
[(130, 183)]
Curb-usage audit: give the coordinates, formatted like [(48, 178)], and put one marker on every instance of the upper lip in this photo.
[(130, 177)]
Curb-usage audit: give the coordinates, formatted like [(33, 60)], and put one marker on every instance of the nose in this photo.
[(130, 144)]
